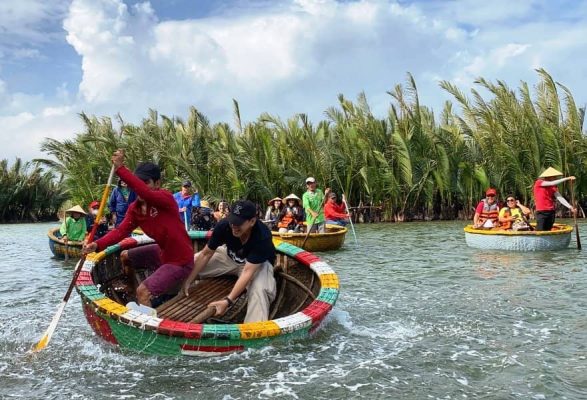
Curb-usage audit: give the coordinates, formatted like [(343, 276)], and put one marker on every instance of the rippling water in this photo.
[(420, 315)]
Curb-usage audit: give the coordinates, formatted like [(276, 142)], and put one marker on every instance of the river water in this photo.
[(420, 316)]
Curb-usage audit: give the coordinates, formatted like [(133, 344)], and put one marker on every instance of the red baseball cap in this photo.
[(490, 192), (94, 204)]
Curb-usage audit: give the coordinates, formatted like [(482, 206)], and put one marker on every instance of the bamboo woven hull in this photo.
[(556, 239), (161, 335), (58, 248), (332, 239)]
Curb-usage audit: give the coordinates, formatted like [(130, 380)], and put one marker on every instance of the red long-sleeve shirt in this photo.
[(334, 211), (161, 222)]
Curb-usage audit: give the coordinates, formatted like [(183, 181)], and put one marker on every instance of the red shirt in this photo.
[(161, 222), (334, 211), (544, 196)]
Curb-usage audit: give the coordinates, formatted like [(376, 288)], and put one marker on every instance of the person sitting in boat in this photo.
[(202, 218), (240, 245), (313, 200), (291, 216), (186, 201), (335, 213), (73, 227), (545, 194), (91, 217), (487, 211), (222, 211), (120, 199), (155, 211), (514, 215), (275, 207)]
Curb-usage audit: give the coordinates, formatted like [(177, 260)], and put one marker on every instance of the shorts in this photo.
[(165, 276)]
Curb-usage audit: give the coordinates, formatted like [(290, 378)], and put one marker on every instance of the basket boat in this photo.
[(58, 247), (556, 239), (332, 239), (307, 289)]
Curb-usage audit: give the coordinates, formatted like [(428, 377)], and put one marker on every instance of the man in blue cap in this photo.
[(240, 245)]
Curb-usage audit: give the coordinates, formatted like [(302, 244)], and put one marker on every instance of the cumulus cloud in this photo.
[(296, 56)]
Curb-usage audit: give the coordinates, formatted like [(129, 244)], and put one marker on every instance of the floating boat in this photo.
[(307, 289), (494, 239), (332, 239), (59, 248)]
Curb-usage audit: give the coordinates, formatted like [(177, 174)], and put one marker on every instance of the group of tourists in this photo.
[(196, 214), (240, 245), (513, 215), (316, 209)]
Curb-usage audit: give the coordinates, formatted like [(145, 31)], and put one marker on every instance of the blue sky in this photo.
[(105, 57)]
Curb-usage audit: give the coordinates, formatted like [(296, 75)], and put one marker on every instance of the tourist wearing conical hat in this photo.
[(73, 226), (545, 195), (275, 206), (291, 216)]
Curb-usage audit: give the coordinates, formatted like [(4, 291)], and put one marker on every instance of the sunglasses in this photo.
[(490, 195), (511, 200)]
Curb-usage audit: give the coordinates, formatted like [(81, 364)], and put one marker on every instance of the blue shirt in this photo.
[(188, 202)]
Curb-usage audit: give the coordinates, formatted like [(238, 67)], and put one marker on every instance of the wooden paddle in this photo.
[(348, 212), (314, 221), (49, 332), (575, 217)]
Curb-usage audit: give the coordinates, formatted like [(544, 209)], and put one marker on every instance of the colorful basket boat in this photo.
[(494, 239), (307, 289), (58, 247), (332, 239)]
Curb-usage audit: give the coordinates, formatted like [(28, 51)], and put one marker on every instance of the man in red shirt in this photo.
[(334, 213), (155, 211), (545, 194)]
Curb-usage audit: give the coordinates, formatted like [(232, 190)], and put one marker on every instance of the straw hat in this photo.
[(550, 172), (76, 209), (292, 197), (270, 202)]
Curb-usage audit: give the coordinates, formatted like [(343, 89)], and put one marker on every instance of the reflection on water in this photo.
[(420, 316)]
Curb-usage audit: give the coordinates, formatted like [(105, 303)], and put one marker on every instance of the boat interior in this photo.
[(297, 287)]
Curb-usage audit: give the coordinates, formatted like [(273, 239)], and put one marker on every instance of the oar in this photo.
[(49, 332), (314, 222), (185, 220), (348, 212), (575, 218), (66, 251)]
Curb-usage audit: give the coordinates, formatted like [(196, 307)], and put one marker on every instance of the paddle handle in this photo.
[(348, 212), (204, 315), (575, 217)]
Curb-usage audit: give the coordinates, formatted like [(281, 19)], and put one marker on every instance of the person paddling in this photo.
[(545, 194), (155, 211)]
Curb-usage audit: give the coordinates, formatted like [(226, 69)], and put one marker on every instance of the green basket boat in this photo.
[(307, 289), (58, 247)]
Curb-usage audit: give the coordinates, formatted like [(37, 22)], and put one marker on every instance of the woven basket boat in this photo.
[(332, 239), (556, 239), (58, 247), (307, 289)]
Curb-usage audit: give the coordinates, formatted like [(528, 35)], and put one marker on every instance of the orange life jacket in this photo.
[(490, 211), (508, 213), (289, 219)]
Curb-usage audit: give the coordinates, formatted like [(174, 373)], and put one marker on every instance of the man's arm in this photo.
[(201, 261), (563, 201), (240, 285), (556, 182), (159, 198)]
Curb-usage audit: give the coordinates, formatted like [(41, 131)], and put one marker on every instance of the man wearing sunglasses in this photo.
[(487, 211)]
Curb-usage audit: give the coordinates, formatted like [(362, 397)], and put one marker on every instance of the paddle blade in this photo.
[(578, 237), (49, 332)]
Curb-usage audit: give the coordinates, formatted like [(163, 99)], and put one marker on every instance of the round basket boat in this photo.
[(332, 239), (307, 289), (58, 247), (556, 239)]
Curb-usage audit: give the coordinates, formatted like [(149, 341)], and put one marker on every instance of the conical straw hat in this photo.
[(550, 172), (76, 209), (291, 197), (270, 202)]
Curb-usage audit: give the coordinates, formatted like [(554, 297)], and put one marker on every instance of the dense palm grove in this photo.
[(410, 163), (28, 193)]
